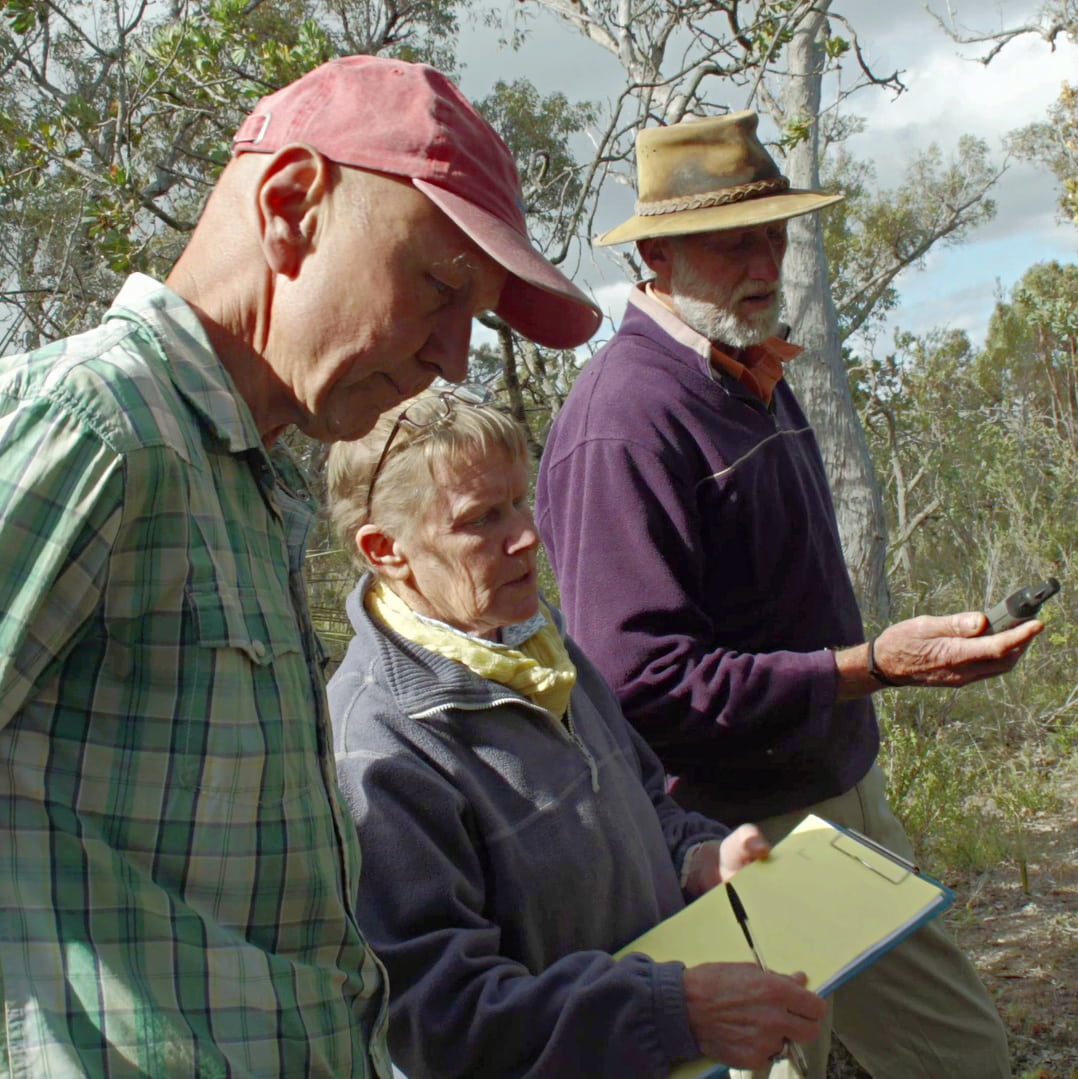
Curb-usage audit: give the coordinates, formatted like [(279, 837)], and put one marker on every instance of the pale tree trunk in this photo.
[(818, 376)]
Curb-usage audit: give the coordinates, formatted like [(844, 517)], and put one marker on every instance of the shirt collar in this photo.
[(189, 358), (760, 366)]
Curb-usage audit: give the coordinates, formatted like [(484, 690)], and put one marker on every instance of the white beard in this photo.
[(716, 317)]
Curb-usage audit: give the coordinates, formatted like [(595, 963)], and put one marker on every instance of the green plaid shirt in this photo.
[(176, 871)]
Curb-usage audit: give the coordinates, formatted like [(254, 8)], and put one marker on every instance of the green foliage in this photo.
[(929, 780), (974, 478), (23, 15), (1028, 366), (771, 30), (1054, 144), (116, 132), (980, 464), (963, 786), (537, 130), (795, 130), (874, 235), (116, 125), (836, 47)]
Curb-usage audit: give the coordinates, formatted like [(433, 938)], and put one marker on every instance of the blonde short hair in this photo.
[(439, 429)]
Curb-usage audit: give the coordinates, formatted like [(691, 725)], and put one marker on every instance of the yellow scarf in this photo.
[(540, 669)]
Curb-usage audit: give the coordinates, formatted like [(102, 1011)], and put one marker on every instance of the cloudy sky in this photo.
[(949, 94)]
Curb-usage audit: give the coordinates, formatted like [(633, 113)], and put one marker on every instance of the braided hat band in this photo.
[(717, 198)]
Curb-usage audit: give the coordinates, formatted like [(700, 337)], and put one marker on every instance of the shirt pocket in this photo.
[(252, 722)]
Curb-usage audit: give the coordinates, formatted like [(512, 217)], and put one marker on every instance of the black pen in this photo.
[(797, 1056)]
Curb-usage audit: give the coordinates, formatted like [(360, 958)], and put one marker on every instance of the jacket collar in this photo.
[(422, 682)]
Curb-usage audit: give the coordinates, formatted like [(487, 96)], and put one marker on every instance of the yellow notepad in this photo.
[(826, 901)]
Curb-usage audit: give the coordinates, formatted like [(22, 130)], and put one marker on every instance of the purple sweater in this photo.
[(697, 553)]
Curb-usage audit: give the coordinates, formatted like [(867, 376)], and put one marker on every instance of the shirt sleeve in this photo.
[(459, 1006), (629, 556), (61, 494)]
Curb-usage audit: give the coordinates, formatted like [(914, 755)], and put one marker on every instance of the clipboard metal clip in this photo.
[(886, 863)]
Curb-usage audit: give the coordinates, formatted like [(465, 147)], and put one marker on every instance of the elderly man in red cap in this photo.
[(178, 875), (683, 501)]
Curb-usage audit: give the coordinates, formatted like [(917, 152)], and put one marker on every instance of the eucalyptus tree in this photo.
[(1030, 361), (117, 116), (1053, 143), (538, 130), (820, 375), (1049, 21), (707, 56), (876, 234)]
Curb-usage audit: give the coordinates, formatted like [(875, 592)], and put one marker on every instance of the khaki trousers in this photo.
[(920, 1012)]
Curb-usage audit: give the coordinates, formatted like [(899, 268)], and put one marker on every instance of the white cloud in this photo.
[(950, 95), (612, 298)]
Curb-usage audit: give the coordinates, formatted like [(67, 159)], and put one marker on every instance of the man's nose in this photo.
[(447, 348), (765, 262)]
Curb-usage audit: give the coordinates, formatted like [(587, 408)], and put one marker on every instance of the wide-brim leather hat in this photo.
[(704, 175)]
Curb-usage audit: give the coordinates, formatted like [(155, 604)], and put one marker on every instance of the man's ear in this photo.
[(382, 551), (655, 251), (291, 195)]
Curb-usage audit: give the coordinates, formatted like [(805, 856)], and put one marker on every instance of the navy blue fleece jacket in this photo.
[(505, 855)]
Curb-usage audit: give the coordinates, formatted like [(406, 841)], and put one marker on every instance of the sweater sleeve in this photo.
[(630, 559), (683, 829), (460, 1007)]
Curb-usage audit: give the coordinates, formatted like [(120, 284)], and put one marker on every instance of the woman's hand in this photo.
[(744, 1016), (714, 861)]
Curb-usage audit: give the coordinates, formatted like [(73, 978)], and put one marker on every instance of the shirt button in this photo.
[(258, 648)]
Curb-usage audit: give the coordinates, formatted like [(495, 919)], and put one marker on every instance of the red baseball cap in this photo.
[(387, 115)]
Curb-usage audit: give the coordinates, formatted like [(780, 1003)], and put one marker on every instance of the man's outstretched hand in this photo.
[(951, 650)]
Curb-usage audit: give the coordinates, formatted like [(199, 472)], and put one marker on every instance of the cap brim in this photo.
[(733, 215), (538, 300)]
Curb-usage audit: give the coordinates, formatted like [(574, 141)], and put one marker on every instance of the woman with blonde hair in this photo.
[(515, 829)]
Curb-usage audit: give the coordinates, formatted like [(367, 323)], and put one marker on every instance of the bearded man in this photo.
[(683, 502)]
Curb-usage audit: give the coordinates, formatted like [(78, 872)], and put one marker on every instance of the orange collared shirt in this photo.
[(760, 367)]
